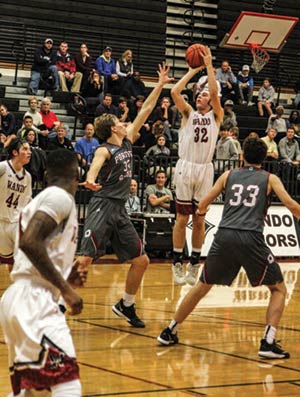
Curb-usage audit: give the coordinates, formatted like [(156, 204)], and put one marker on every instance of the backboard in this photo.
[(267, 31)]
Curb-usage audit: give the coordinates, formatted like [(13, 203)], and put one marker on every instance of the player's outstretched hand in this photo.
[(163, 73), (74, 301), (91, 185)]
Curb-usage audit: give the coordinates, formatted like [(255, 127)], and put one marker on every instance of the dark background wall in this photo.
[(136, 24), (286, 65)]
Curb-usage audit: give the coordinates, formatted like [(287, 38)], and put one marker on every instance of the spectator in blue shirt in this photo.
[(246, 85), (86, 146), (228, 81), (106, 66)]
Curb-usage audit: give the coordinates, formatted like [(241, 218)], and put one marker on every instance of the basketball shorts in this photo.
[(8, 233), (107, 219), (40, 347), (233, 249), (192, 182)]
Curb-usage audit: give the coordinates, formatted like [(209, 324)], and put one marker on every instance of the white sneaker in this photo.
[(191, 276), (251, 103), (178, 274)]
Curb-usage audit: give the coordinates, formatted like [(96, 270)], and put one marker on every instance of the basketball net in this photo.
[(260, 57)]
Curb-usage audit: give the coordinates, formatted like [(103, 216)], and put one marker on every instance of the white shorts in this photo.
[(8, 233), (38, 337), (192, 182)]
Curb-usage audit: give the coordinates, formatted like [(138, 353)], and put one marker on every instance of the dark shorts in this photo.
[(233, 249), (107, 220)]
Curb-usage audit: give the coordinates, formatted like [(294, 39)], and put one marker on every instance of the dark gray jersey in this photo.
[(246, 200), (116, 173)]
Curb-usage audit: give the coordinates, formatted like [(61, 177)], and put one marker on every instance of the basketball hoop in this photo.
[(260, 57)]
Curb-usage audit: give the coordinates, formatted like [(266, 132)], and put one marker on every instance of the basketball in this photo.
[(193, 56)]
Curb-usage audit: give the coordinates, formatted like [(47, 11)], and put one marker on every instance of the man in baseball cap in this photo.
[(50, 41), (106, 66), (246, 85)]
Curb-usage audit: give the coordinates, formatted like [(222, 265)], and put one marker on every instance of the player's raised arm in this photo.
[(150, 102), (33, 244)]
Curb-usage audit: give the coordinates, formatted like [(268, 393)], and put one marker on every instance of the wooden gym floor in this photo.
[(217, 354)]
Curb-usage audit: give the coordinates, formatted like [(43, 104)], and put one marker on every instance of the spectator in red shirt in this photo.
[(66, 66), (50, 121)]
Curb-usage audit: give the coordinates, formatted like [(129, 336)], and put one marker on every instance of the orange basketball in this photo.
[(193, 55)]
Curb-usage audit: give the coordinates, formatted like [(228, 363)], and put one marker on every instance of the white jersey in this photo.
[(197, 139), (15, 191), (60, 245)]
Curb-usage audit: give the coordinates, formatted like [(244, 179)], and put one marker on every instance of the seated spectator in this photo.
[(266, 96), (252, 135), (124, 66), (246, 85), (228, 81), (30, 136), (133, 203), (160, 148), (289, 148), (50, 122), (202, 85), (5, 141), (229, 115), (106, 106), (70, 79), (163, 113), (272, 152), (158, 196), (162, 151), (44, 66), (294, 121), (234, 133), (34, 112), (37, 164), (297, 97), (134, 87), (225, 147), (277, 122), (86, 146), (123, 110), (84, 63), (7, 122), (93, 88), (106, 66), (28, 125), (60, 141)]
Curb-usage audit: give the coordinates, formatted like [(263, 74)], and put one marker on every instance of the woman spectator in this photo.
[(93, 87), (294, 121), (124, 66), (157, 156), (30, 137), (37, 164), (34, 111), (8, 121), (84, 63)]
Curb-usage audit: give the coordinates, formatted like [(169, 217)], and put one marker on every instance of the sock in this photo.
[(195, 256), (128, 299), (270, 333), (177, 255), (173, 326)]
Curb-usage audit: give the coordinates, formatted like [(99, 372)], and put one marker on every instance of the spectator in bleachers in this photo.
[(202, 85), (234, 133), (289, 148), (44, 66), (106, 106), (228, 81), (86, 146), (50, 121), (266, 97), (28, 125), (84, 63), (106, 66), (37, 164), (252, 134), (160, 150), (246, 85), (158, 196), (124, 66), (60, 141), (123, 110), (269, 139), (30, 136), (34, 111), (225, 147), (229, 115), (164, 113), (297, 97), (277, 122), (133, 203), (294, 121), (93, 88), (7, 121), (70, 79), (134, 87)]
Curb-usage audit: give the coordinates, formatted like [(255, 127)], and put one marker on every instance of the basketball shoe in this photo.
[(192, 271), (167, 338), (178, 274), (128, 312), (271, 350)]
